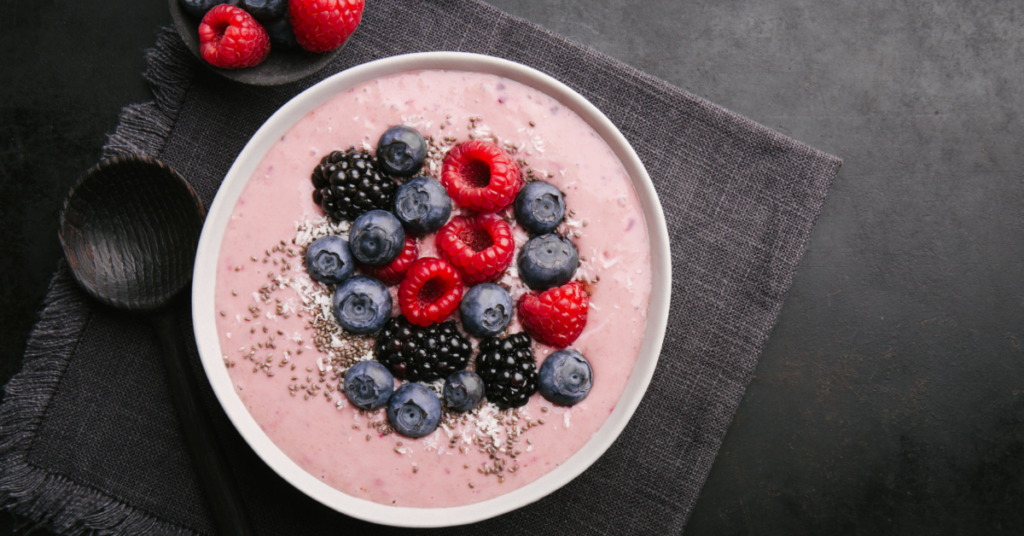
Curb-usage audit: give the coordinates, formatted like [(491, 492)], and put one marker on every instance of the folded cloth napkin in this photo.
[(88, 437)]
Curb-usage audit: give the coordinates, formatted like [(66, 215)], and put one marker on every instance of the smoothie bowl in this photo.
[(432, 288)]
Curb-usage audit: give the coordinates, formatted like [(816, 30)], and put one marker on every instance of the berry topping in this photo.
[(362, 305), (422, 205), (508, 369), (548, 261), (479, 175), (556, 317), (323, 25), (393, 273), (328, 260), (401, 151), (414, 410), (348, 184), (565, 377), (368, 385), (422, 354), (430, 291), (463, 391), (198, 8), (376, 238), (265, 10), (539, 207), (230, 38), (480, 247), (486, 310)]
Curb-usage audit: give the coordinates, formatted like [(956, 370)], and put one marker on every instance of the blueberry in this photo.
[(198, 8), (422, 205), (548, 261), (486, 310), (368, 385), (565, 377), (265, 10), (539, 207), (414, 410), (376, 238), (401, 151), (282, 37), (362, 305), (328, 260), (463, 391)]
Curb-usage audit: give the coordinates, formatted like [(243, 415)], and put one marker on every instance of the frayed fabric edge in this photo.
[(52, 501)]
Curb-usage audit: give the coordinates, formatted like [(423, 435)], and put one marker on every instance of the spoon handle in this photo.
[(211, 466)]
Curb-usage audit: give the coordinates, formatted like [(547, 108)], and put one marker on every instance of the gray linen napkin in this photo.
[(88, 438)]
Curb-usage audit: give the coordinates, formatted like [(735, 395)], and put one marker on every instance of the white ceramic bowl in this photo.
[(204, 314)]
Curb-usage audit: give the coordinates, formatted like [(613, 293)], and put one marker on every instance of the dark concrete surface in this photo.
[(890, 396)]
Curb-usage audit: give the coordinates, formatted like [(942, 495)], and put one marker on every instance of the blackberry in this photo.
[(508, 369), (422, 354), (348, 183)]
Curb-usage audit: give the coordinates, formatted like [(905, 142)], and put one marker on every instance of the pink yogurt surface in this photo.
[(331, 443)]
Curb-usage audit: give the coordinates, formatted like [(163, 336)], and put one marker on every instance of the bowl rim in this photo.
[(204, 282)]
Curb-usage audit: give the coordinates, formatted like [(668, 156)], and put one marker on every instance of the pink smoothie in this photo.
[(316, 426)]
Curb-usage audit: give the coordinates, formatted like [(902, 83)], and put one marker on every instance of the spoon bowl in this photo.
[(129, 230)]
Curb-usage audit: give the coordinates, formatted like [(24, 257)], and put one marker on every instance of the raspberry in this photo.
[(556, 317), (323, 25), (480, 247), (230, 38), (430, 291), (393, 273), (481, 176)]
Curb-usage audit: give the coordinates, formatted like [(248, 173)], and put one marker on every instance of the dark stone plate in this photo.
[(280, 67)]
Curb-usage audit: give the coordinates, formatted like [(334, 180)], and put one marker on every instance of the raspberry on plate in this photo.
[(431, 290), (393, 273), (479, 175), (557, 316), (230, 38), (323, 25), (480, 247)]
